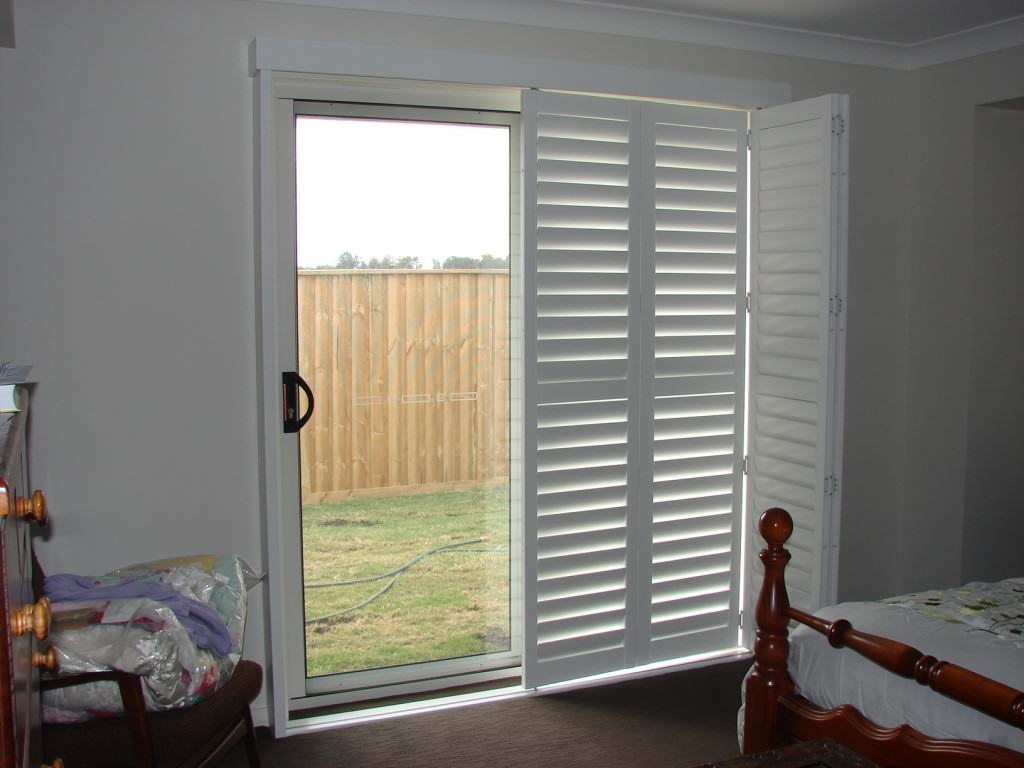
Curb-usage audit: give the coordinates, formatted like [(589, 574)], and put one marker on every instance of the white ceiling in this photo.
[(902, 34), (888, 21)]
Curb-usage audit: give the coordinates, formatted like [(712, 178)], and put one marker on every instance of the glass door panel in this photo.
[(402, 256)]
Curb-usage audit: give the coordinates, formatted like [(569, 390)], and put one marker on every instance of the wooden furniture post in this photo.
[(769, 678)]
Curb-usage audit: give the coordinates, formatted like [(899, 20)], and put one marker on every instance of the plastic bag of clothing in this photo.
[(177, 623)]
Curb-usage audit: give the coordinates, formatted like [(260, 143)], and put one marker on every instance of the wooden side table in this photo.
[(821, 753)]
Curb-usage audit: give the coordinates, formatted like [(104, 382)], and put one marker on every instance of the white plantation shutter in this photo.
[(798, 199), (579, 382), (633, 255), (693, 376)]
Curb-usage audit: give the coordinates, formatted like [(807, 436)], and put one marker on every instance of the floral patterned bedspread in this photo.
[(996, 607)]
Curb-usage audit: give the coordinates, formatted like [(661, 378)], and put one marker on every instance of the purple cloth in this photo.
[(203, 624)]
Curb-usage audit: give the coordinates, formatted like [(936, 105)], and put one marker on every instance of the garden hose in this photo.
[(391, 575)]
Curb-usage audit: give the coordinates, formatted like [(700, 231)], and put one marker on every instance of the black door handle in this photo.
[(292, 383)]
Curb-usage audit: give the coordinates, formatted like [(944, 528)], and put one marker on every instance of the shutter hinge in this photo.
[(831, 485), (835, 305), (748, 302), (746, 465), (748, 138), (838, 125), (741, 619)]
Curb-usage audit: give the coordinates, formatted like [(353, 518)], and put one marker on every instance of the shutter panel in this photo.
[(798, 182), (634, 246), (579, 246), (693, 377)]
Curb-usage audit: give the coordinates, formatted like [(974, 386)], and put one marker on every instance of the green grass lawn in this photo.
[(448, 604)]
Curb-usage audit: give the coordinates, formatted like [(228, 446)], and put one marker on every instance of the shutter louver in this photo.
[(795, 355), (696, 277)]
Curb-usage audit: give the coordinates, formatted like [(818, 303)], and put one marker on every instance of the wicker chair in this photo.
[(190, 737)]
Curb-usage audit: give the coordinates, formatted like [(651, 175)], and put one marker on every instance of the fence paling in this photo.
[(410, 370)]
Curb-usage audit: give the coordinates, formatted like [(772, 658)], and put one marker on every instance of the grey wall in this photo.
[(126, 208), (943, 263), (994, 503)]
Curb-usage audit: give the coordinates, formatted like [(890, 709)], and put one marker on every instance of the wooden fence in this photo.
[(409, 369)]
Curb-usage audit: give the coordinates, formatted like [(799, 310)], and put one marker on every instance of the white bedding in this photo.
[(829, 677)]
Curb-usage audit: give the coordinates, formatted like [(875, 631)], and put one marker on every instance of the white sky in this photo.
[(380, 188)]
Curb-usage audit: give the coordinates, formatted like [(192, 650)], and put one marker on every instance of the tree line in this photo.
[(348, 260)]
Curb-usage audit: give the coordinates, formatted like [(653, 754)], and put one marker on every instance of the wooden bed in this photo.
[(774, 715)]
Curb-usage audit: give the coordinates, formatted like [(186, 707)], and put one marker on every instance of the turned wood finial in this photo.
[(775, 526)]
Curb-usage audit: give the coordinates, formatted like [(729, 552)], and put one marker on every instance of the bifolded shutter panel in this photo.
[(634, 256), (579, 428), (694, 279), (798, 229)]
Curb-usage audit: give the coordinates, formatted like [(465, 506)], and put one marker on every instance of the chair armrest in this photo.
[(130, 686)]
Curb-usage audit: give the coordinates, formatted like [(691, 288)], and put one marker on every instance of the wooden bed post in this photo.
[(769, 678)]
